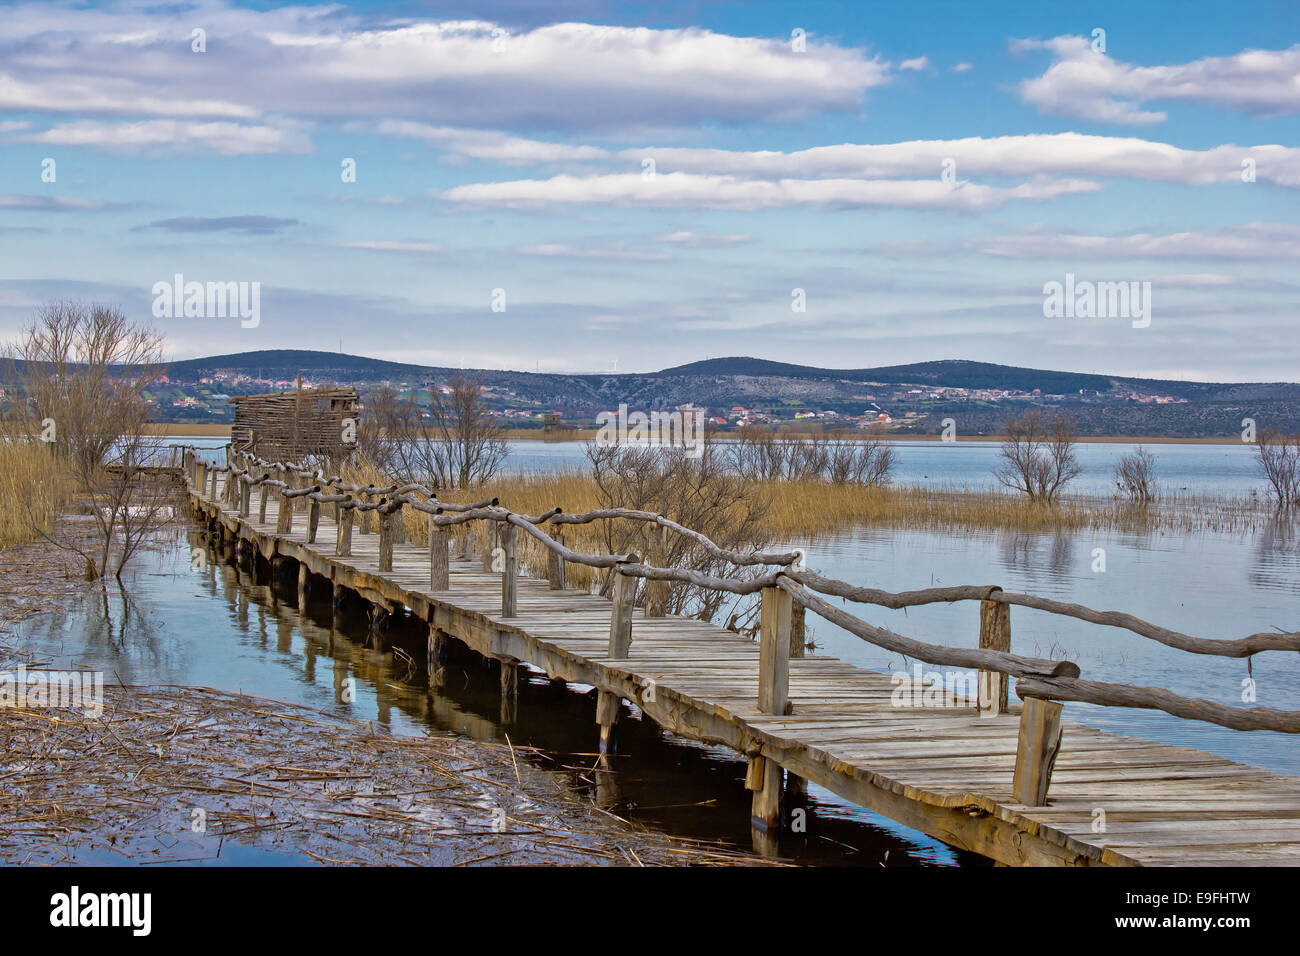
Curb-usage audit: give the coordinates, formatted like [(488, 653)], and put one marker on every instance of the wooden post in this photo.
[(774, 652), (364, 522), (656, 592), (439, 560), (509, 569), (620, 621), (264, 490), (555, 566), (489, 542), (798, 631), (343, 545), (763, 777), (213, 495), (995, 634), (607, 710), (386, 522), (1036, 749), (284, 516), (313, 519), (436, 657), (399, 528)]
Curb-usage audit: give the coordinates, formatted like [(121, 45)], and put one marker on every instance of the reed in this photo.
[(33, 491)]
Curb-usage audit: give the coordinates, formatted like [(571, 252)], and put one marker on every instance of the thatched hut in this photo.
[(291, 425)]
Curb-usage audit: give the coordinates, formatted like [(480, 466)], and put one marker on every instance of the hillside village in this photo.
[(868, 405)]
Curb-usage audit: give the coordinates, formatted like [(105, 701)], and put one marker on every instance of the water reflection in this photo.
[(234, 627)]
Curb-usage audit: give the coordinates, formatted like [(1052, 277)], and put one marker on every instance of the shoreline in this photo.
[(170, 430)]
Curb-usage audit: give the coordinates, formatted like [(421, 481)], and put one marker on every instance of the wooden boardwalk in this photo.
[(945, 771)]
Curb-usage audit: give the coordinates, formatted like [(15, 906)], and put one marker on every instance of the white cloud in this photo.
[(490, 145), (51, 203), (918, 63), (555, 250), (173, 136), (385, 245), (697, 240), (1090, 85), (1055, 154), (1256, 240), (689, 190), (963, 67), (132, 59)]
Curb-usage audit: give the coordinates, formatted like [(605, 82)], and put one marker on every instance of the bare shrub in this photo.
[(1135, 475), (1038, 457), (83, 373), (1279, 463), (701, 493), (453, 443), (760, 454)]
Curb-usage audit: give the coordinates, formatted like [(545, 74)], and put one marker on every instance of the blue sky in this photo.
[(510, 146)]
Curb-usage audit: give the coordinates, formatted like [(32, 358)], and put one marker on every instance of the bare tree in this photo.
[(1135, 475), (453, 443), (1038, 457), (759, 454), (83, 373), (1279, 463), (702, 493)]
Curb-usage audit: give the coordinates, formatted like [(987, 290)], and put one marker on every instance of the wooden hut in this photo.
[(290, 425)]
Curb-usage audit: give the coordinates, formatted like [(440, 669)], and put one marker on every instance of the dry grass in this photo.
[(33, 492), (818, 507), (179, 774)]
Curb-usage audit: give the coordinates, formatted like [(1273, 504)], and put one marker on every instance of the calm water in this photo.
[(219, 627), (224, 630), (1206, 585), (1210, 469)]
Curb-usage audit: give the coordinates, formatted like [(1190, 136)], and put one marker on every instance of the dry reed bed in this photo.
[(301, 784), (33, 492)]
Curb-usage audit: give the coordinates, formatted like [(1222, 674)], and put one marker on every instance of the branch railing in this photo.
[(787, 589)]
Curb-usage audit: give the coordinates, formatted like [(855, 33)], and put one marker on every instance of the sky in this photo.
[(592, 186)]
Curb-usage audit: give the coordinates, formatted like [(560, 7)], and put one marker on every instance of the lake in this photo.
[(1210, 469)]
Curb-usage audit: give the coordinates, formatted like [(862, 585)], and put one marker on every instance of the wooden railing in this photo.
[(787, 589)]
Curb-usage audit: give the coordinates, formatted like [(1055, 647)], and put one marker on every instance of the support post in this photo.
[(439, 560), (555, 565), (245, 491), (213, 494), (313, 519), (774, 652), (798, 631), (656, 592), (304, 579), (284, 515), (264, 490), (1036, 749), (763, 777), (343, 545), (995, 634), (386, 523), (437, 657), (620, 620), (489, 542), (509, 569), (607, 710)]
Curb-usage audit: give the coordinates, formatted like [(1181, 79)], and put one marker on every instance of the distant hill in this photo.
[(913, 395)]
